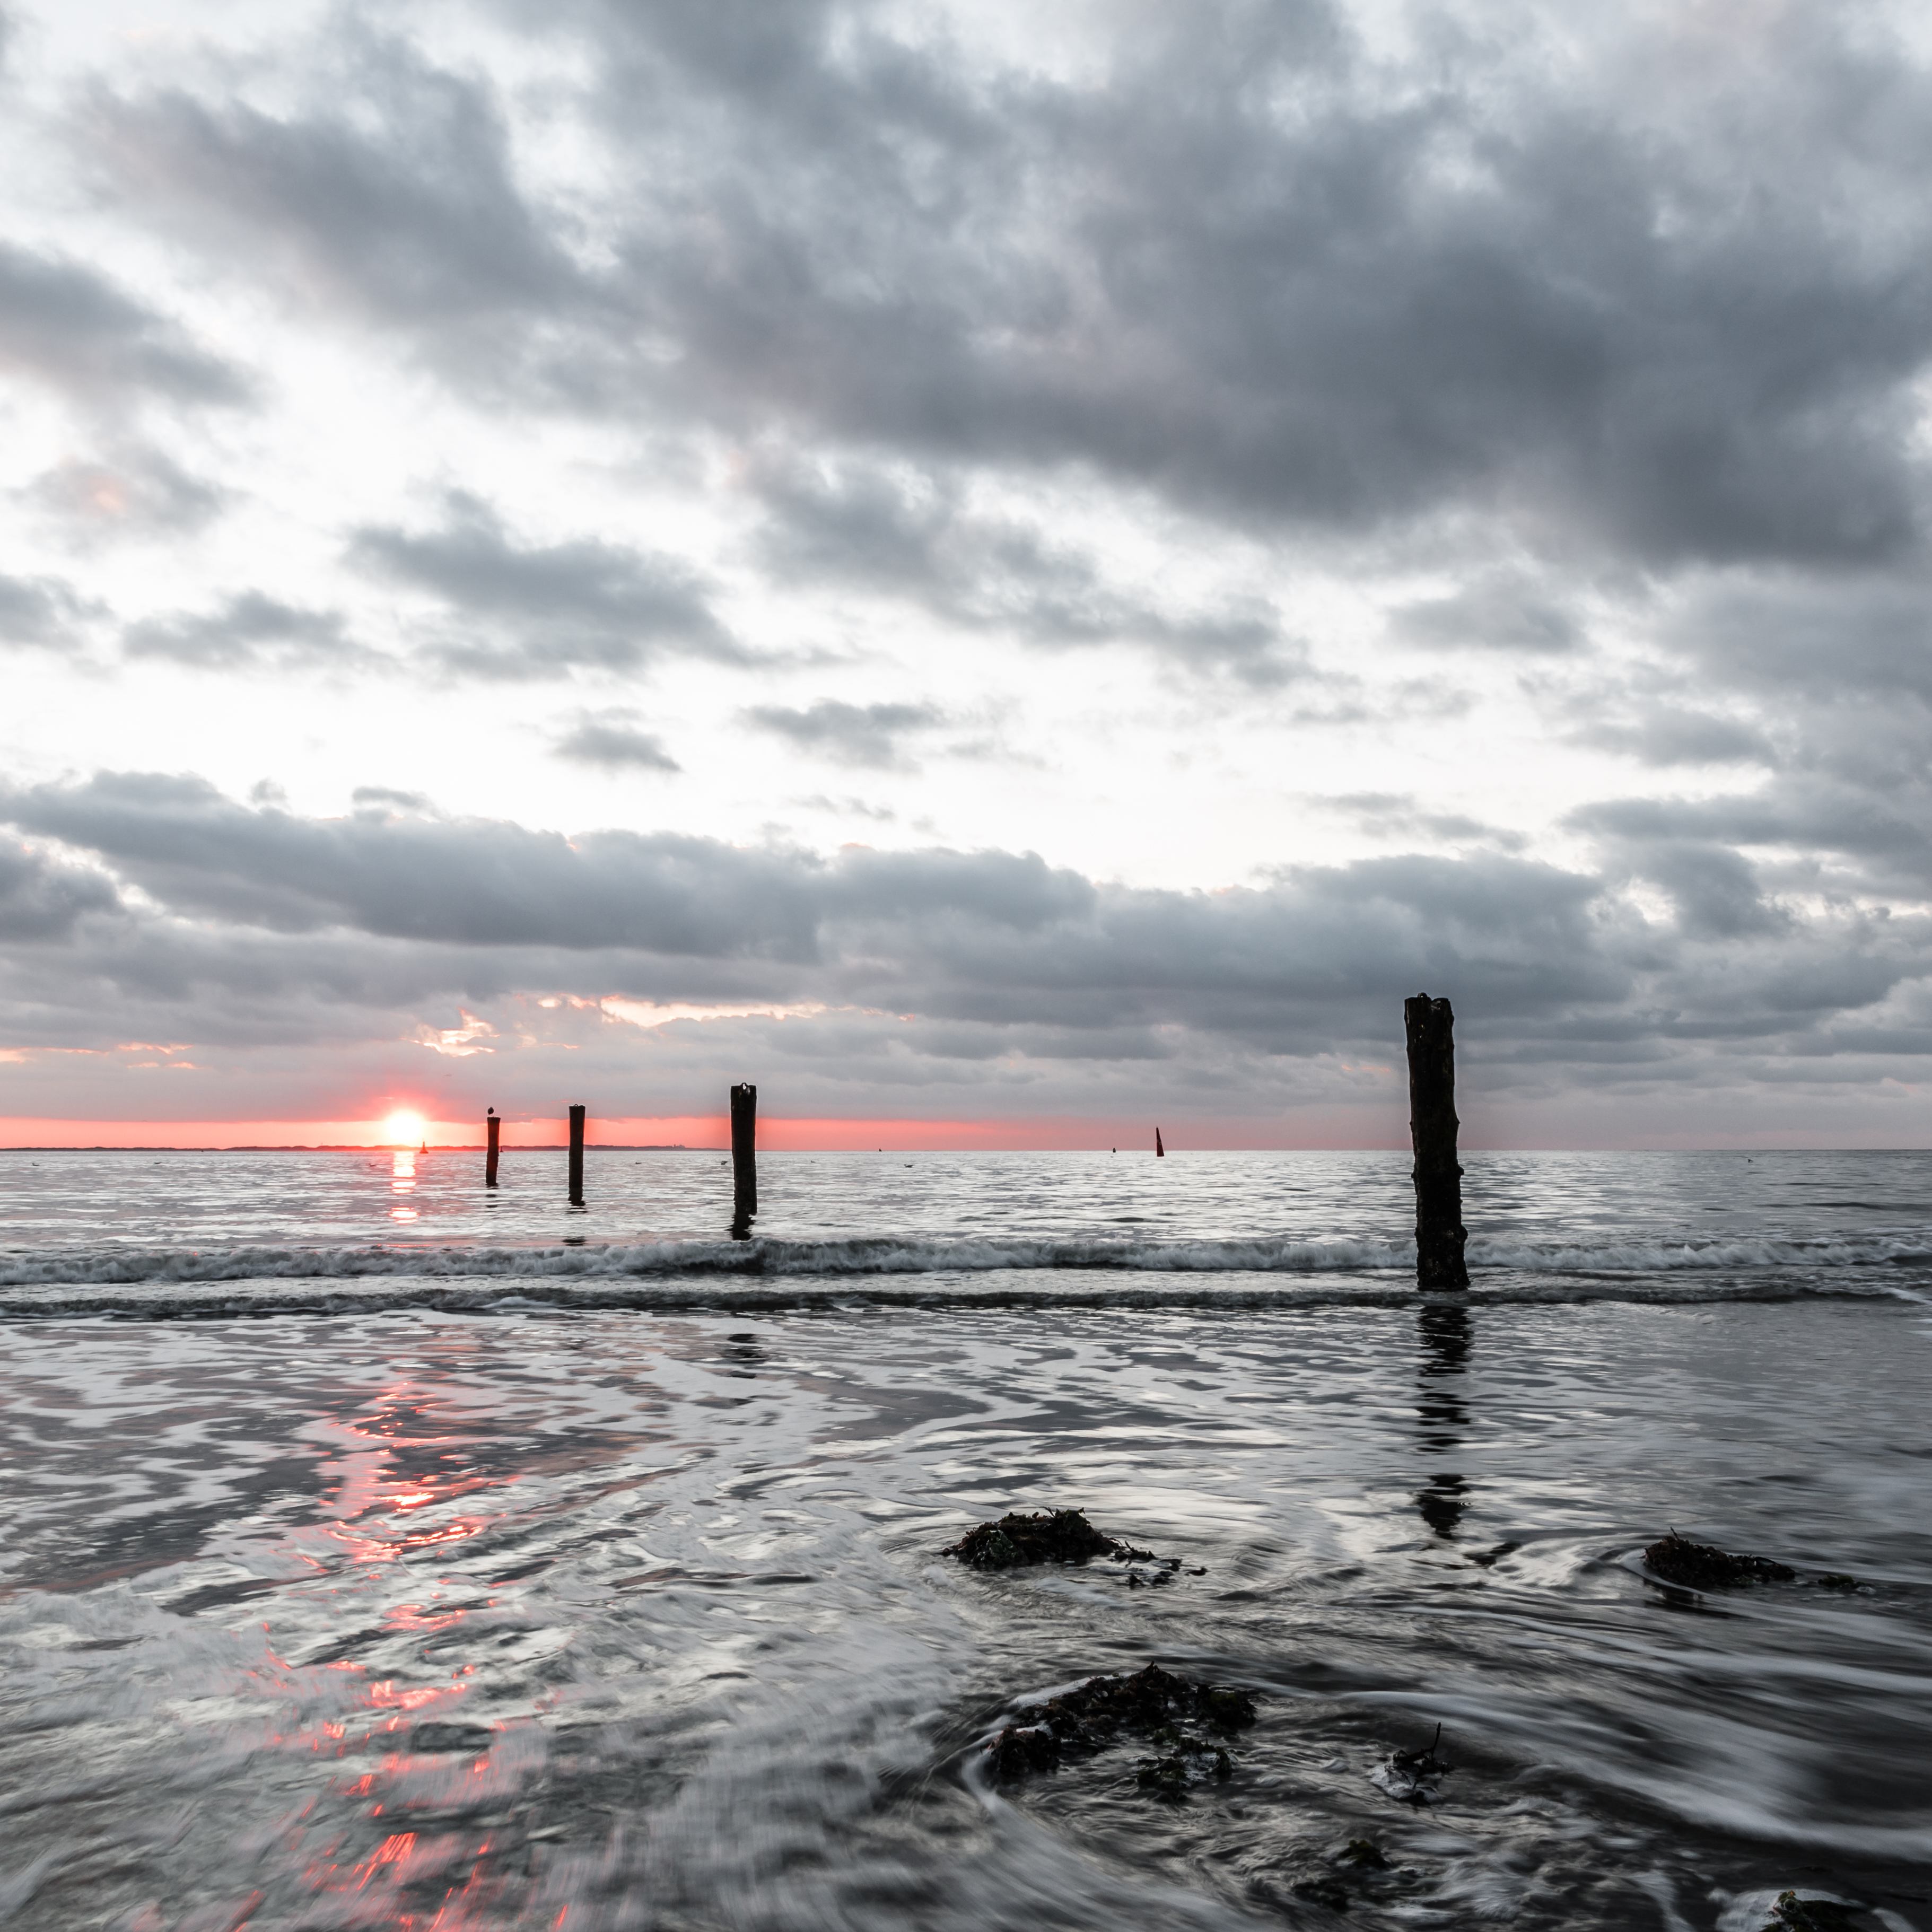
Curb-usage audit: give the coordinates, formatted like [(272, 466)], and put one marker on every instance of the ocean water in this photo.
[(376, 1553)]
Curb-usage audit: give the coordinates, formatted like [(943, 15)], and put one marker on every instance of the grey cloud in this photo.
[(39, 610), (1498, 612), (983, 938), (1667, 735), (850, 734), (1715, 889), (611, 741), (912, 536), (1830, 640), (406, 204), (250, 628), (42, 900), (383, 800), (138, 491), (1886, 837), (848, 807), (70, 326), (521, 609), (1400, 815), (981, 978), (1249, 263)]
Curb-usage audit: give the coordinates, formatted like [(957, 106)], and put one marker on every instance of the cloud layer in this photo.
[(151, 904), (1284, 502)]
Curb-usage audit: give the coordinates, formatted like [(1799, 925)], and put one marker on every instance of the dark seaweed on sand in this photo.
[(1047, 1536), (1698, 1566), (1153, 1700)]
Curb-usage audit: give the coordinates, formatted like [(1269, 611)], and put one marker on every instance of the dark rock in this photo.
[(1698, 1566), (1323, 1891), (1047, 1536), (1192, 1761), (1153, 1701), (1364, 1854), (1020, 1748), (1793, 1914), (1837, 1579), (1144, 1701)]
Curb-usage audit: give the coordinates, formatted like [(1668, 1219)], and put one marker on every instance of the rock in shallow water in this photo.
[(1699, 1566), (1152, 1700), (1047, 1536)]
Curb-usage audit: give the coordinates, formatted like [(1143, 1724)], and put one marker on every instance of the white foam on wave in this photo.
[(912, 1255)]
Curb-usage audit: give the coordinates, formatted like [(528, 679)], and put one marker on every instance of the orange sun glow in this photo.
[(403, 1128)]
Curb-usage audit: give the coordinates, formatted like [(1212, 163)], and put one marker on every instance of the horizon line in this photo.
[(1751, 1147)]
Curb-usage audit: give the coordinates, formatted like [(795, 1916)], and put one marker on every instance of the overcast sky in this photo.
[(1031, 568)]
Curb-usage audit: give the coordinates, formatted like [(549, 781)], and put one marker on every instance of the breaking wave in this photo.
[(776, 1272)]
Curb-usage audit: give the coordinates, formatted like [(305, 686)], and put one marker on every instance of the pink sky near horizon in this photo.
[(776, 1133)]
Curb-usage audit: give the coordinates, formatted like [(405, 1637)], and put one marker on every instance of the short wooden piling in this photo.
[(1439, 1232), (744, 1159), (492, 1126), (577, 1157)]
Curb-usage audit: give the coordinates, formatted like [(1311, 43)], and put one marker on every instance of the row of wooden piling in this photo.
[(744, 1156), (1440, 1235)]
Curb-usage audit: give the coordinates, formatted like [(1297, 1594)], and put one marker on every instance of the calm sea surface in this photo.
[(375, 1551)]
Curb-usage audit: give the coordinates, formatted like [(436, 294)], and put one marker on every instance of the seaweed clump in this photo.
[(1324, 1891), (1047, 1536), (1413, 1777), (1699, 1566), (1155, 1701), (1189, 1761), (1793, 1914)]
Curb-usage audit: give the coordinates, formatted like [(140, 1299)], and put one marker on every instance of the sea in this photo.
[(378, 1550)]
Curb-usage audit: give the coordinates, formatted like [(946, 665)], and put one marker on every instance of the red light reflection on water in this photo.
[(403, 1181)]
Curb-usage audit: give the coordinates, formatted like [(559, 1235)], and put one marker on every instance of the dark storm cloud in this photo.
[(850, 734), (912, 536), (250, 628), (39, 610), (520, 610), (136, 491), (1243, 261), (611, 741), (68, 324)]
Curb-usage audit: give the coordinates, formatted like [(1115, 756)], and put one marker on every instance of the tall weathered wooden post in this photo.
[(1439, 1232), (577, 1157), (492, 1126), (744, 1159)]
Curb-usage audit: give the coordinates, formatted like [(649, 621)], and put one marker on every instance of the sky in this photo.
[(1007, 573)]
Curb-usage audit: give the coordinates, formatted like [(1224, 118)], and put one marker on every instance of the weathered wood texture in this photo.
[(577, 1157), (1439, 1232), (744, 1157), (492, 1127)]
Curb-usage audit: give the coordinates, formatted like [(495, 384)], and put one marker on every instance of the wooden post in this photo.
[(492, 1126), (744, 1159), (1439, 1232), (577, 1157)]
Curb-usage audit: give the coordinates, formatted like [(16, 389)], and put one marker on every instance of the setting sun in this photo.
[(403, 1128)]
